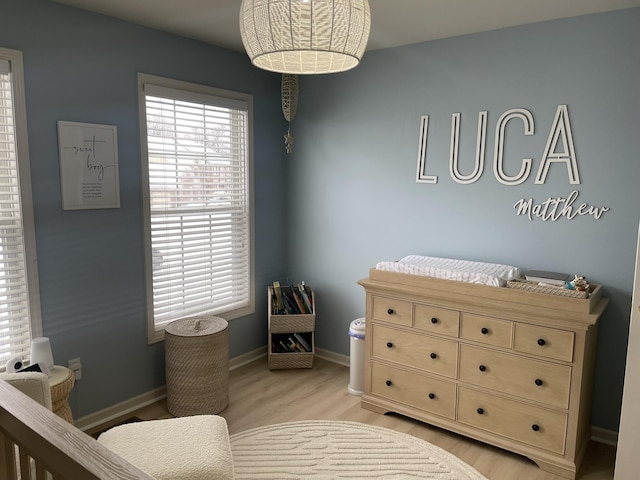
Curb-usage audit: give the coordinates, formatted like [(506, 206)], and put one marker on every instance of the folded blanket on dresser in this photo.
[(451, 269)]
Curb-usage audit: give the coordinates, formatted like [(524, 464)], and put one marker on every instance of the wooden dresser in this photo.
[(504, 366)]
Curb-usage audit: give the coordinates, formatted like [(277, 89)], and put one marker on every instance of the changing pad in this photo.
[(451, 269)]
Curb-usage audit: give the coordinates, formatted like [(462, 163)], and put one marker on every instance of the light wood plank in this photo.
[(258, 397)]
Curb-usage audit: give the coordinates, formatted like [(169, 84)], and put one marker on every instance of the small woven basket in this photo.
[(279, 361), (523, 284), (197, 366), (292, 323)]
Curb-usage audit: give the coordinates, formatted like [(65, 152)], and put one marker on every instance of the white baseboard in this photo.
[(248, 357), (119, 409), (601, 435), (131, 405), (334, 357)]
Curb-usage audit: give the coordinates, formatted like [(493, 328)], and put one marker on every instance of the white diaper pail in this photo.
[(356, 377)]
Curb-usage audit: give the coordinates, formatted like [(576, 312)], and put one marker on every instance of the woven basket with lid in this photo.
[(197, 366)]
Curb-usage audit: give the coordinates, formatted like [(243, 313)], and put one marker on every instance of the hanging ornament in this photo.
[(289, 93)]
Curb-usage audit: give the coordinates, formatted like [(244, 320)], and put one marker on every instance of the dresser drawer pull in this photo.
[(539, 382), (432, 396), (389, 345), (434, 320), (484, 330), (541, 342), (389, 383), (433, 355), (482, 368), (535, 428), (480, 411), (390, 311)]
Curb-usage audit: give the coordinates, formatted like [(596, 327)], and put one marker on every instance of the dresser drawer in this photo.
[(489, 330), (543, 341), (525, 423), (437, 320), (423, 392), (392, 310), (431, 354), (531, 379)]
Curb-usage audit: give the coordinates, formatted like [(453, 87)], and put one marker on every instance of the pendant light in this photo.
[(305, 36)]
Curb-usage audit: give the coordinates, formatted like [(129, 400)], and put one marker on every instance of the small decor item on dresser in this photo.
[(579, 284)]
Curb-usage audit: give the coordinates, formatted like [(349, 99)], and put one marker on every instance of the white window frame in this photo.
[(16, 333), (199, 94)]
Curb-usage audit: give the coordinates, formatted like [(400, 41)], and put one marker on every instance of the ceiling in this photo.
[(393, 22)]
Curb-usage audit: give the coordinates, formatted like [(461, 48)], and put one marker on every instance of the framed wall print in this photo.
[(88, 165)]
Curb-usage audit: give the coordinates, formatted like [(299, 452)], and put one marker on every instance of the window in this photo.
[(196, 167), (19, 295)]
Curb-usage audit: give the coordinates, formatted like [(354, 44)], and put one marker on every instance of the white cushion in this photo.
[(33, 384), (189, 448), (483, 273)]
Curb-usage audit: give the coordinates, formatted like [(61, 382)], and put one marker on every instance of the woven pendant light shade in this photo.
[(305, 36)]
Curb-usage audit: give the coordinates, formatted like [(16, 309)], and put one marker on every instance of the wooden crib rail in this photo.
[(36, 444)]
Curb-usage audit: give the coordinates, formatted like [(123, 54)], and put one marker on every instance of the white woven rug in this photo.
[(321, 449)]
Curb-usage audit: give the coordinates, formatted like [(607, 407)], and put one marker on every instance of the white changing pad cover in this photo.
[(451, 269)]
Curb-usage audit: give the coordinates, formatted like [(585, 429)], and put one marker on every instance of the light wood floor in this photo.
[(259, 396)]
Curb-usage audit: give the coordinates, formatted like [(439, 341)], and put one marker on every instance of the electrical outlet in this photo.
[(76, 366)]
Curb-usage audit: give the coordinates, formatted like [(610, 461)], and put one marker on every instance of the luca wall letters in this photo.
[(559, 149)]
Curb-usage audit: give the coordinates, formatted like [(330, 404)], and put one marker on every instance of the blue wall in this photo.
[(83, 67), (356, 202), (347, 197)]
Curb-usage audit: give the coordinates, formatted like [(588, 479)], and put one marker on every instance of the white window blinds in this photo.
[(197, 169), (15, 308)]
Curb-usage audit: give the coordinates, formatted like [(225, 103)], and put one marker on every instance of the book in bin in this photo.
[(292, 299), (552, 278)]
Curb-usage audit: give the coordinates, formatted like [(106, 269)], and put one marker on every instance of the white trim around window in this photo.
[(197, 177), (20, 318)]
